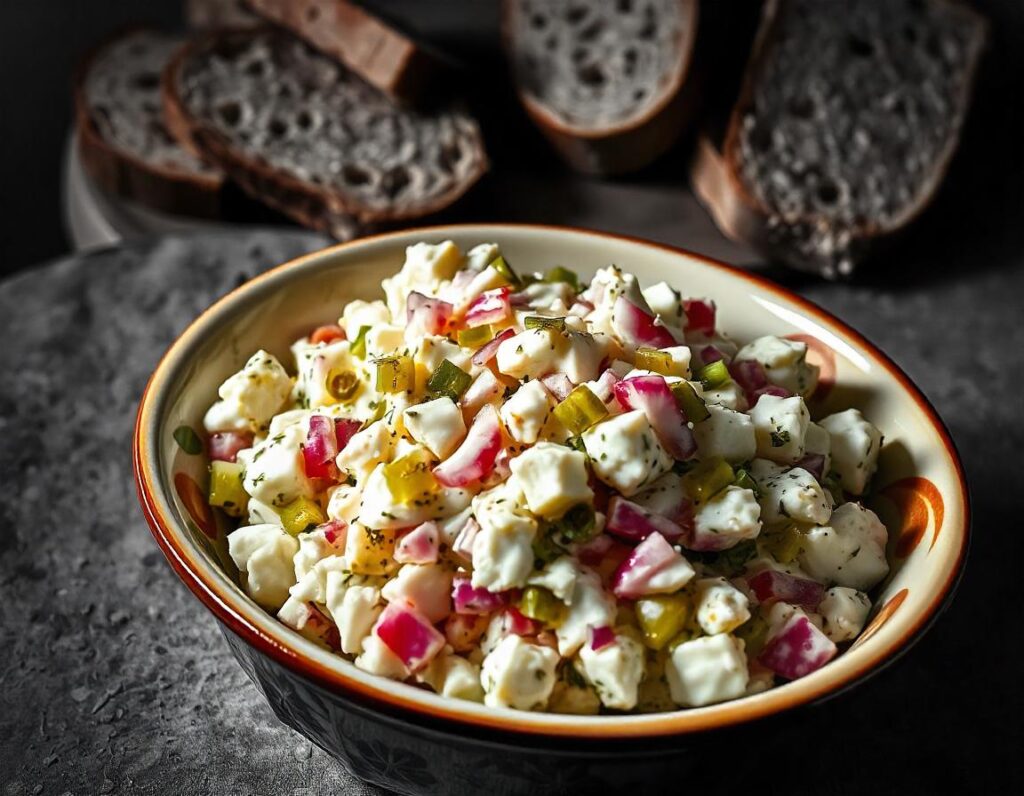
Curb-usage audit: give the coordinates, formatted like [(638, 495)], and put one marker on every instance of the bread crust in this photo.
[(124, 174), (379, 53), (715, 170), (629, 145), (311, 205)]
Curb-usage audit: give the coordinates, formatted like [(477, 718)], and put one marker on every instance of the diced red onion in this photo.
[(223, 446), (700, 316), (637, 327), (558, 385), (409, 635), (344, 430), (427, 315), (463, 631), (475, 457), (491, 306), (797, 648), (814, 463), (419, 546), (321, 448), (469, 599), (652, 556), (320, 627), (593, 552), (335, 532), (600, 637), (488, 351), (463, 544), (521, 625), (653, 395), (634, 523), (771, 586), (709, 354), (484, 389), (749, 375), (771, 389)]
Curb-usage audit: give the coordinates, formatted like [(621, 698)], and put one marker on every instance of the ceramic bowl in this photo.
[(411, 740)]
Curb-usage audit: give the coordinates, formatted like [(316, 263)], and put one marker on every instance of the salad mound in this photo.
[(545, 494)]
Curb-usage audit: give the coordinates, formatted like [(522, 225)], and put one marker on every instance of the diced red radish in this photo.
[(634, 523), (652, 395), (814, 463), (329, 333), (471, 599), (519, 300), (797, 648), (709, 354), (419, 546), (700, 316), (321, 448), (223, 446), (637, 327), (484, 389), (600, 637), (475, 457), (344, 430), (335, 532), (463, 544), (749, 374), (771, 389), (521, 625), (771, 586), (409, 635), (318, 627), (652, 557), (488, 351), (463, 631), (502, 469), (491, 306), (427, 315), (604, 386), (593, 552), (558, 385)]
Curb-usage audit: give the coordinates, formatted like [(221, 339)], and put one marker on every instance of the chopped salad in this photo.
[(539, 493)]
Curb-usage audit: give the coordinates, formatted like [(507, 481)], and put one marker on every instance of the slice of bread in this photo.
[(123, 142), (846, 121), (381, 54), (213, 14), (304, 135), (609, 84)]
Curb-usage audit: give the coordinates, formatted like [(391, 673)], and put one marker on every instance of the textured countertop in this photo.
[(114, 679)]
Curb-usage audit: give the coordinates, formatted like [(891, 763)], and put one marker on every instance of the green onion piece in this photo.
[(410, 478), (576, 525), (302, 515), (744, 481), (707, 479), (475, 337), (576, 443), (503, 268), (358, 347), (714, 375), (653, 359), (540, 322), (540, 604), (580, 410), (448, 379), (560, 274), (226, 490), (395, 374), (188, 440), (693, 405), (342, 384)]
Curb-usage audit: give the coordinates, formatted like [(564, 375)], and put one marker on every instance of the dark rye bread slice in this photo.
[(846, 121), (306, 136), (123, 142), (213, 14), (610, 83), (377, 51)]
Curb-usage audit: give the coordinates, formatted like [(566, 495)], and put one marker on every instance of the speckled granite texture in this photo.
[(114, 679)]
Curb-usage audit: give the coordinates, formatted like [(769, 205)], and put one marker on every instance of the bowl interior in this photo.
[(919, 491)]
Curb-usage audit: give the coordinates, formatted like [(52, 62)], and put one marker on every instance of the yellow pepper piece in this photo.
[(475, 336), (662, 617), (395, 374), (302, 515), (226, 491), (368, 551), (707, 479), (580, 410), (540, 604), (410, 478)]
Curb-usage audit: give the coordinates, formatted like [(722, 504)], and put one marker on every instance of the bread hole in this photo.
[(575, 14), (639, 94), (828, 192), (256, 69), (590, 75), (860, 47), (394, 181), (910, 34), (147, 81), (354, 175), (230, 113), (538, 22), (277, 128), (650, 28), (624, 6), (801, 107), (761, 139), (449, 157), (592, 31), (629, 62), (304, 120), (312, 13)]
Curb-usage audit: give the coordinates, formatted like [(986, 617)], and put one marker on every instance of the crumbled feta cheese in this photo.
[(625, 453), (343, 502), (503, 547), (384, 339), (849, 551), (680, 366), (379, 508), (844, 612), (721, 607), (454, 677), (818, 441), (367, 448), (533, 353), (359, 313), (526, 412), (580, 359), (780, 425), (558, 577), (426, 267), (252, 396), (855, 447), (377, 658), (730, 395), (433, 350), (312, 548), (666, 303), (315, 367), (264, 556), (790, 493), (727, 434), (727, 519), (437, 424), (591, 606), (615, 671), (355, 611), (707, 670), (553, 478), (518, 674), (276, 474), (426, 587), (785, 363)]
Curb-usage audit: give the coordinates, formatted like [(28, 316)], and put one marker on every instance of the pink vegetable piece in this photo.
[(463, 544), (427, 315), (558, 385), (700, 316), (419, 546), (634, 523), (709, 354), (344, 430), (321, 448), (749, 375), (638, 327), (488, 351), (491, 306), (771, 389), (335, 532), (409, 635), (797, 648), (770, 586), (603, 387), (650, 558), (652, 395), (814, 463), (483, 390), (521, 625), (594, 551), (474, 458), (223, 446), (469, 599), (600, 637)]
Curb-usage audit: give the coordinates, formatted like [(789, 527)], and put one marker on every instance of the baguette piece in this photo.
[(378, 52), (304, 135), (123, 143), (609, 84), (845, 125)]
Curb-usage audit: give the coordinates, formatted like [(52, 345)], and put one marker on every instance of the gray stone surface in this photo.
[(114, 679)]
